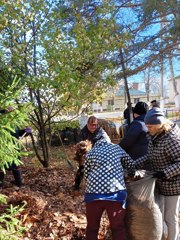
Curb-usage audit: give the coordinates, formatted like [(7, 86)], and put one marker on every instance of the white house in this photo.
[(115, 100), (172, 97)]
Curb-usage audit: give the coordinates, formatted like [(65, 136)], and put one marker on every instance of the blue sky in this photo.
[(128, 17)]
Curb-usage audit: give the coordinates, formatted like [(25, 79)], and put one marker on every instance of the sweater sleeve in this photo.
[(87, 166), (128, 163), (172, 151), (141, 162)]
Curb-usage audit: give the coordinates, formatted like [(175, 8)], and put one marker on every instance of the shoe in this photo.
[(17, 184), (75, 188)]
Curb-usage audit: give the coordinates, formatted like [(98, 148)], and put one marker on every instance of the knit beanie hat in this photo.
[(140, 108), (154, 116)]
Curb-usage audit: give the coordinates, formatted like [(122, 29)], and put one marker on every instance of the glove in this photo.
[(131, 174), (28, 130), (159, 174)]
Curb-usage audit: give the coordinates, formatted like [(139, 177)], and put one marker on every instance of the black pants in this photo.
[(79, 176), (16, 173)]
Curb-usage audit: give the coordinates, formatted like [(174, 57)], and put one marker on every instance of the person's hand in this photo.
[(159, 174), (10, 109), (28, 130), (131, 174)]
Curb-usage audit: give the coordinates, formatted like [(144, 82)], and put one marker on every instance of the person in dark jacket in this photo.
[(126, 114), (93, 133), (16, 170), (154, 103), (135, 141), (164, 157)]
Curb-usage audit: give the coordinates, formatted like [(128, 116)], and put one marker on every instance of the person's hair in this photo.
[(91, 119), (167, 125), (81, 149)]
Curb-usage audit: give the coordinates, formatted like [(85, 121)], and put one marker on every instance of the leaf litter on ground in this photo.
[(53, 210)]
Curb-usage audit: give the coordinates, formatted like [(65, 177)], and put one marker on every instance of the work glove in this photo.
[(159, 174), (131, 173), (28, 130)]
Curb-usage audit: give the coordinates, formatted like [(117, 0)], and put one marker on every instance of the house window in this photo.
[(111, 102)]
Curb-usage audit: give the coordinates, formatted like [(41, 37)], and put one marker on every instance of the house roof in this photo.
[(132, 92), (176, 78)]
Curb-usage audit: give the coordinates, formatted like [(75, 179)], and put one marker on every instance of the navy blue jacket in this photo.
[(135, 141)]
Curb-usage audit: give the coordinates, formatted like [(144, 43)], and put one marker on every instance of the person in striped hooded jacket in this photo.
[(164, 157)]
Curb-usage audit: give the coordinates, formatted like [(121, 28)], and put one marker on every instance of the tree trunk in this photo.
[(126, 85), (147, 83), (39, 112), (162, 84), (45, 147), (176, 93)]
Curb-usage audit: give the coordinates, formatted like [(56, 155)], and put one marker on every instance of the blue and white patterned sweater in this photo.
[(104, 165)]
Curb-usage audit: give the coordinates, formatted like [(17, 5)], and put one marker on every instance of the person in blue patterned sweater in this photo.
[(164, 157), (105, 187), (91, 132)]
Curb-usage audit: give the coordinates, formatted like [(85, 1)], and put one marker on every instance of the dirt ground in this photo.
[(53, 210)]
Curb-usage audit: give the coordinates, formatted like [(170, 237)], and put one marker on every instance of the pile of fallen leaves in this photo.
[(53, 209)]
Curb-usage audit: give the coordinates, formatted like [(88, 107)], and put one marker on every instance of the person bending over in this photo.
[(91, 132)]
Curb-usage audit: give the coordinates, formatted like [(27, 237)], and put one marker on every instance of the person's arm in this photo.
[(83, 134), (128, 163), (172, 151), (9, 109), (2, 111), (141, 162), (124, 114), (22, 132), (87, 165)]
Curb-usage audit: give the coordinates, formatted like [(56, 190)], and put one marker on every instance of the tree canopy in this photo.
[(67, 53)]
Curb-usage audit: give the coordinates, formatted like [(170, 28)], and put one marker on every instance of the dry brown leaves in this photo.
[(53, 210)]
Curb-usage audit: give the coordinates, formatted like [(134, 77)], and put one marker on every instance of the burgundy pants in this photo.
[(116, 214)]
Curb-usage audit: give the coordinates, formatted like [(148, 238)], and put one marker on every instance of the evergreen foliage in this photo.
[(9, 122), (10, 225), (14, 117)]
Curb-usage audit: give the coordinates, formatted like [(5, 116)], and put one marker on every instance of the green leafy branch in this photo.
[(10, 225)]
